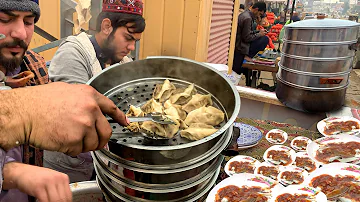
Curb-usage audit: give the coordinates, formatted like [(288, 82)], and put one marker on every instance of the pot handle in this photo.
[(333, 80), (354, 46)]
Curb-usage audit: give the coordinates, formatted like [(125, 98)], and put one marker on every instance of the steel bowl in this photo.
[(317, 65), (319, 50), (88, 191), (314, 81)]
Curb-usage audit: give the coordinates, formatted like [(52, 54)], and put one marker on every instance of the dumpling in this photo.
[(207, 115), (182, 96), (167, 130), (163, 91), (174, 111), (197, 101), (137, 112), (152, 106), (198, 131)]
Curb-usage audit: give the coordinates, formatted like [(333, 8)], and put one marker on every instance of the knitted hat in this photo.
[(21, 5), (123, 6)]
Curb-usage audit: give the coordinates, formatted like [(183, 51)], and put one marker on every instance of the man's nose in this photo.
[(19, 31), (131, 46)]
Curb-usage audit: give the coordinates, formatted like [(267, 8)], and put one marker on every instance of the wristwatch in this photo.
[(2, 79)]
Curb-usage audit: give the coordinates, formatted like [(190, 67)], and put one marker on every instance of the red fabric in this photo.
[(271, 45), (123, 6)]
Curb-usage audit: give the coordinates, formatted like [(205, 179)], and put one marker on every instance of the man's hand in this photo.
[(19, 80), (262, 32), (60, 117), (44, 184)]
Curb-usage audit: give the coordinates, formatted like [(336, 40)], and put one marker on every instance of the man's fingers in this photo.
[(52, 193), (64, 191), (91, 140), (109, 108), (103, 130)]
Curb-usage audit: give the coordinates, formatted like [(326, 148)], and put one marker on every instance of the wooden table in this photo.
[(259, 67)]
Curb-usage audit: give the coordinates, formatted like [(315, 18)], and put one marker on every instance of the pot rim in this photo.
[(316, 58), (311, 88), (313, 73), (319, 43)]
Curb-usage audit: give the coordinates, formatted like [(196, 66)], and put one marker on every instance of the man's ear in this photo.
[(106, 26)]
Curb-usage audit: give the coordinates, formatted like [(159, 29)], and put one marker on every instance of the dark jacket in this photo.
[(245, 32)]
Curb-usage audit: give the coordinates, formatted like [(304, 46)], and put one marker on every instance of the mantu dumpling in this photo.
[(137, 112), (182, 96), (163, 91), (167, 131), (198, 131), (207, 115), (197, 101), (152, 106), (174, 111)]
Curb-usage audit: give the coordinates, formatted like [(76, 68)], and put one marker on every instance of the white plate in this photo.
[(321, 125), (301, 189), (286, 149), (245, 179), (307, 157), (240, 158), (301, 138), (333, 169), (294, 171), (266, 164), (314, 146), (273, 141)]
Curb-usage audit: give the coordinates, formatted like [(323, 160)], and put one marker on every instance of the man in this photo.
[(248, 41), (119, 26), (242, 8)]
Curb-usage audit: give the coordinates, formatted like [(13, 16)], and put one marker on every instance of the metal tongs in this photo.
[(154, 117)]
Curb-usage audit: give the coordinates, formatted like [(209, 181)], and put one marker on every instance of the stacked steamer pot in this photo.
[(136, 168), (316, 60)]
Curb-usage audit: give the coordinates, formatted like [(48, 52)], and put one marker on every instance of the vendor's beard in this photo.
[(10, 64), (109, 50)]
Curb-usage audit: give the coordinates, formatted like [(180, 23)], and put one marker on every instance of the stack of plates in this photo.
[(249, 135)]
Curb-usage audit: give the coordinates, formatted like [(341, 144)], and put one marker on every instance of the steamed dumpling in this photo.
[(198, 131), (197, 101), (182, 96), (174, 111), (207, 115), (163, 91), (167, 130), (135, 111), (152, 106)]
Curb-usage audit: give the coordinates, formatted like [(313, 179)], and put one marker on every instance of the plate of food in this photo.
[(276, 136), (303, 161), (279, 155), (339, 148), (300, 143), (338, 181), (292, 175), (339, 126), (241, 164), (268, 170), (243, 187), (297, 193)]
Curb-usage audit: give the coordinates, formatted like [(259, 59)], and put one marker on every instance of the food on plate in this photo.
[(306, 163), (335, 151), (207, 115), (242, 167), (276, 137), (300, 144), (279, 157), (163, 91), (347, 187), (197, 101), (268, 171), (335, 127), (197, 131), (234, 193), (152, 106), (292, 177), (287, 197), (182, 96)]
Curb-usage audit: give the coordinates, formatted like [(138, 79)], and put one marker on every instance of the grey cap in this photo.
[(21, 5)]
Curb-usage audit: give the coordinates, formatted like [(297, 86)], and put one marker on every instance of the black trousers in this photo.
[(255, 46)]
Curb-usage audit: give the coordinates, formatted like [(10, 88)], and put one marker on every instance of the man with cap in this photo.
[(81, 57), (25, 68)]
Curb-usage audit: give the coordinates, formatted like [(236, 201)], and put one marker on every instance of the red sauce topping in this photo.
[(269, 171), (237, 194), (294, 177), (341, 126), (343, 150), (305, 163), (280, 155), (301, 144), (276, 137), (241, 167), (292, 198)]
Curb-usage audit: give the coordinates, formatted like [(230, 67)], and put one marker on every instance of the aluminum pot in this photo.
[(88, 191), (317, 65), (309, 99), (313, 80), (322, 30), (320, 49)]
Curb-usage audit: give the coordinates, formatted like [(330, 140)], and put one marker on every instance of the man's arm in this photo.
[(247, 34), (69, 65)]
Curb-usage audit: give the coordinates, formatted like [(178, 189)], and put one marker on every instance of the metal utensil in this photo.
[(154, 117)]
